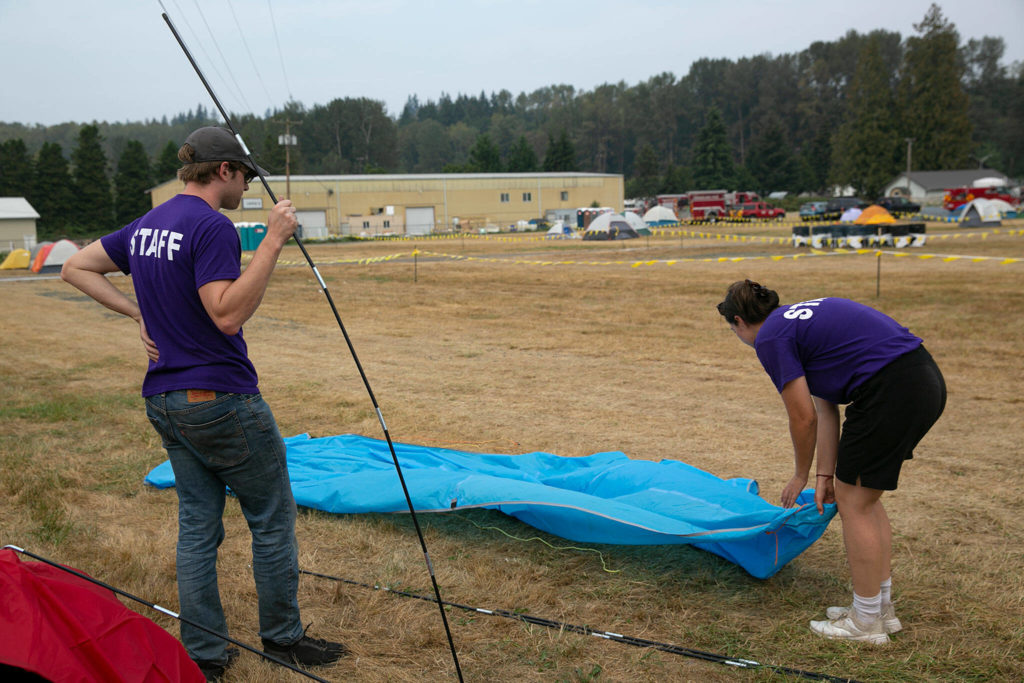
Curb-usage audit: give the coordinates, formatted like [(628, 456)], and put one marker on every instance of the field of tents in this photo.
[(526, 345)]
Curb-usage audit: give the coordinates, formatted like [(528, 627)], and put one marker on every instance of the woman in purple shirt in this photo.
[(830, 351)]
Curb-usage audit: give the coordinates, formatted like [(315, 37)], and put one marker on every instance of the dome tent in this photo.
[(979, 213), (636, 223), (874, 215), (609, 226), (51, 257), (19, 258), (850, 215), (561, 231), (660, 215)]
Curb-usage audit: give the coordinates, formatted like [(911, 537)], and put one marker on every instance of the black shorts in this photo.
[(889, 414)]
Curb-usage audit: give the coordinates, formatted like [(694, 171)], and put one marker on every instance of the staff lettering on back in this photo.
[(154, 242), (795, 312)]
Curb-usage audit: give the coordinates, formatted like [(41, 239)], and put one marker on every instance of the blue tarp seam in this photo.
[(540, 503)]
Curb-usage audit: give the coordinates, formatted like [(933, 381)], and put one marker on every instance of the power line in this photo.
[(227, 65), (197, 41), (279, 53), (255, 68)]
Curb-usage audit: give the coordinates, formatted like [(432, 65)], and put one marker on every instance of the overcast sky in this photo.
[(116, 60)]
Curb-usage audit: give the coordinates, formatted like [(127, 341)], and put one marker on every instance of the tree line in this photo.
[(836, 113)]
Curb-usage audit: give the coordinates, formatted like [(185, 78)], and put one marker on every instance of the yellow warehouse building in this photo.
[(330, 205)]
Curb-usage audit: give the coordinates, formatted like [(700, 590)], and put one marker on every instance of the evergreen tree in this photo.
[(95, 212), (646, 173), (1014, 150), (712, 156), (522, 158), (771, 160), (273, 157), (15, 169), (934, 105), (51, 191), (131, 181), (561, 154), (426, 147), (484, 156), (677, 179), (742, 178), (166, 166), (816, 162), (867, 146)]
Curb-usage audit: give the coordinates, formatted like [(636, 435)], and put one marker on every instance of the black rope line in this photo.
[(608, 635), (164, 610), (344, 332)]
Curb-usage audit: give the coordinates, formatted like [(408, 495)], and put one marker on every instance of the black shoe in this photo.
[(213, 671), (306, 651)]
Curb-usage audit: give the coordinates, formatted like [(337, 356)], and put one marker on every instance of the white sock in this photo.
[(887, 591), (867, 610)]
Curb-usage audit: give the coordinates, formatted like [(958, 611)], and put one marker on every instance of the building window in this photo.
[(504, 197), (366, 224), (565, 196), (387, 224), (527, 197)]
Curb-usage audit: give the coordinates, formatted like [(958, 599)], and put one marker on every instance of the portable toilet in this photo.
[(259, 231), (250, 235)]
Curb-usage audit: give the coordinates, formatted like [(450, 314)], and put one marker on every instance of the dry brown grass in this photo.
[(498, 355)]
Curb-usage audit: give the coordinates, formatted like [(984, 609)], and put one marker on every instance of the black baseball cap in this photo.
[(213, 143)]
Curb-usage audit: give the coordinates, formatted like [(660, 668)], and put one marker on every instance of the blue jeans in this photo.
[(231, 440)]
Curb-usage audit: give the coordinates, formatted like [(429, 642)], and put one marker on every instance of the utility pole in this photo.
[(289, 141), (910, 145)]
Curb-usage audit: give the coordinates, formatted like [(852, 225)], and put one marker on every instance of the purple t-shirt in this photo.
[(837, 344), (170, 253)]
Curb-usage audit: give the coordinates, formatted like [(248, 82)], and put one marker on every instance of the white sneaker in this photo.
[(890, 622), (847, 628)]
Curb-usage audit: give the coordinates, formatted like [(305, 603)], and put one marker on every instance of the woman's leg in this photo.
[(867, 536)]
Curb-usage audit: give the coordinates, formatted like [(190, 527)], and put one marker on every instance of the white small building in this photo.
[(929, 187), (17, 224)]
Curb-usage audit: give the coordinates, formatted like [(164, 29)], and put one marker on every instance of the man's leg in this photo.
[(264, 492), (200, 533)]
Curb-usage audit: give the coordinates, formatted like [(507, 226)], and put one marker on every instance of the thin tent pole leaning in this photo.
[(344, 332)]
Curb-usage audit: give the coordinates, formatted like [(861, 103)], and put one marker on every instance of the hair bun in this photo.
[(758, 291)]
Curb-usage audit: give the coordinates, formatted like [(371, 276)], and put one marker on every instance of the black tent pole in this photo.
[(344, 332)]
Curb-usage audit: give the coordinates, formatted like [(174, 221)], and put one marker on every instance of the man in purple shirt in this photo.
[(819, 354), (201, 390)]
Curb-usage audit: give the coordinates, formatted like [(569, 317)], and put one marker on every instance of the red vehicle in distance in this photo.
[(985, 188), (759, 211), (708, 205)]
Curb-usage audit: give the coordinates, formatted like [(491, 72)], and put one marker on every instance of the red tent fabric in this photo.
[(67, 629)]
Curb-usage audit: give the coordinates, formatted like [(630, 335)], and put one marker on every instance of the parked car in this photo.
[(837, 206), (899, 205), (813, 211), (759, 210)]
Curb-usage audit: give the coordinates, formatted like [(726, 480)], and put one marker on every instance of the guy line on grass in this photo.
[(164, 610), (607, 635), (344, 332), (560, 626)]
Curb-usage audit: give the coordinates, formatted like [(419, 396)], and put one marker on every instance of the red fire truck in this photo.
[(707, 205), (984, 188)]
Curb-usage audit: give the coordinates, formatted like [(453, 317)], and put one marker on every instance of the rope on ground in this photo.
[(600, 555)]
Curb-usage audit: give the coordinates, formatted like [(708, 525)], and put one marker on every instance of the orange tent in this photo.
[(873, 215), (51, 257)]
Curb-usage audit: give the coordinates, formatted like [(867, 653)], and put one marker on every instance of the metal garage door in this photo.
[(419, 220), (314, 223)]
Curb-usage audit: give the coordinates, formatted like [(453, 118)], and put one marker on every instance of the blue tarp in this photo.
[(601, 498)]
